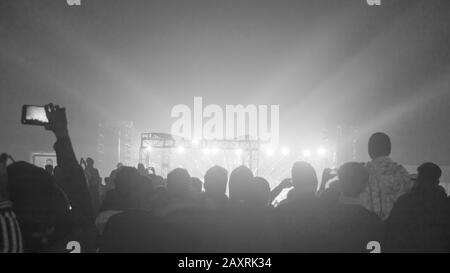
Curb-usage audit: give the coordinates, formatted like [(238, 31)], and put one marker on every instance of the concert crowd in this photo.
[(376, 206)]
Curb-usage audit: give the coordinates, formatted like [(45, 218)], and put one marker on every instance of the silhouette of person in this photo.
[(419, 221), (300, 217), (239, 185), (109, 181), (196, 186), (10, 233), (49, 168), (388, 179), (51, 215), (94, 181), (351, 225), (125, 193), (260, 194), (141, 169), (216, 179), (304, 180)]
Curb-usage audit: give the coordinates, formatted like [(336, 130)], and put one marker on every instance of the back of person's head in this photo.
[(379, 145), (178, 183), (90, 162), (127, 180), (196, 185), (140, 167), (42, 208), (58, 173), (146, 192), (240, 182), (428, 174), (119, 165), (216, 179), (353, 179), (49, 168), (260, 194), (304, 177), (158, 181)]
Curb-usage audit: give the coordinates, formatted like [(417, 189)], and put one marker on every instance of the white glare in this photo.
[(307, 153), (285, 151), (195, 142), (270, 152), (180, 149), (321, 152)]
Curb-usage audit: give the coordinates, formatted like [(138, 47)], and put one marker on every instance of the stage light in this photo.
[(215, 150), (206, 151), (321, 152), (195, 142), (270, 152), (148, 148), (180, 149), (306, 153), (238, 152), (285, 151)]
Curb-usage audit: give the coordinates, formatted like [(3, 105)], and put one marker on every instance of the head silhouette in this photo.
[(90, 162), (196, 185), (49, 168), (304, 178), (42, 208), (353, 179), (241, 179), (141, 168), (260, 194), (216, 179), (428, 174), (178, 183), (126, 181), (379, 145)]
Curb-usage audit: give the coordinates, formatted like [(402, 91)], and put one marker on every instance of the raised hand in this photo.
[(286, 183), (3, 158), (327, 175), (57, 120)]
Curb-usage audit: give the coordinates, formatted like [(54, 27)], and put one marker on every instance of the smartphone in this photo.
[(34, 115)]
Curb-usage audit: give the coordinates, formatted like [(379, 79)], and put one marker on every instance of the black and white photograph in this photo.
[(224, 135)]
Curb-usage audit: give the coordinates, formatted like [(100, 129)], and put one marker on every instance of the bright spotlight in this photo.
[(195, 142), (285, 151), (306, 153), (215, 150), (321, 152), (238, 152), (148, 148), (270, 152), (206, 151), (180, 149)]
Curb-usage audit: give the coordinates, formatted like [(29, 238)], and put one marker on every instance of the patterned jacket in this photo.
[(387, 181), (10, 234)]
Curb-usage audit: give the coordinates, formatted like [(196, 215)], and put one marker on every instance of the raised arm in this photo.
[(286, 183), (74, 183)]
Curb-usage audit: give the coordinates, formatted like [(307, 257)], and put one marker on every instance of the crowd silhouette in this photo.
[(361, 207)]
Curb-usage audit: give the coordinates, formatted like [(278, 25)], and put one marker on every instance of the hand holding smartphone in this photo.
[(52, 117), (34, 115)]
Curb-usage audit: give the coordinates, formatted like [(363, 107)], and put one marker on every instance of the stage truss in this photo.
[(165, 145)]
